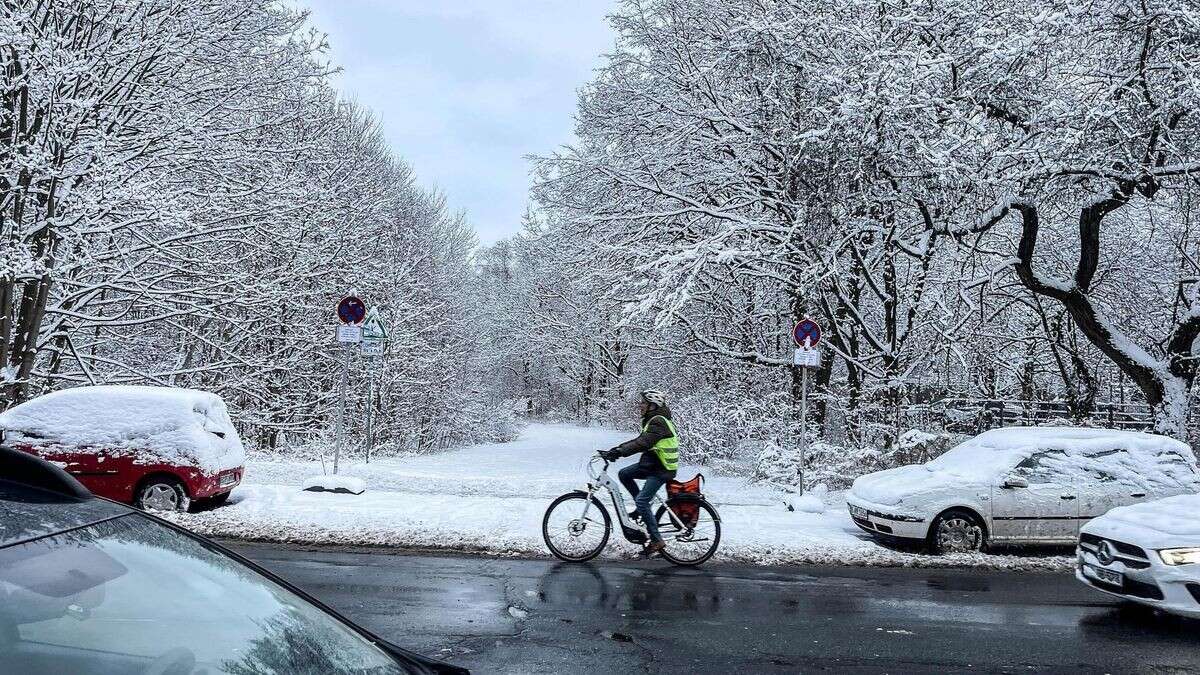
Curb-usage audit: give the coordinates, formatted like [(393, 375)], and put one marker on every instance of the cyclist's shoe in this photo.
[(635, 516), (653, 549)]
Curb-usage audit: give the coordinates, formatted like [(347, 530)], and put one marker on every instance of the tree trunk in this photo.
[(1165, 385)]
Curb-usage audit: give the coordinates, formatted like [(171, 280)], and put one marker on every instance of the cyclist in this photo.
[(659, 445)]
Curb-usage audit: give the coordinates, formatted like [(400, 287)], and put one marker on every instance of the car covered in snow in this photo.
[(1021, 485), (159, 448), (1147, 553)]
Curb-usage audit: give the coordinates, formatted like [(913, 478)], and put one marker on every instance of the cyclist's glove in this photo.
[(610, 455)]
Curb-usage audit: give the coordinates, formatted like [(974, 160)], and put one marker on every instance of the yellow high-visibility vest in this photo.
[(668, 448)]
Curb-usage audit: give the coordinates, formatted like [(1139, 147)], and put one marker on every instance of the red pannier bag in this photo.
[(686, 511)]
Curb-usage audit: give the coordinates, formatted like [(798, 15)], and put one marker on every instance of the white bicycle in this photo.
[(576, 526)]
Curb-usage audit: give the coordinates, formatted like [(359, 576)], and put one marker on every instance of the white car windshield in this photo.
[(128, 595), (977, 461)]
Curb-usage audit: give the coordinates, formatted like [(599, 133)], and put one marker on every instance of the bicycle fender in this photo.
[(596, 501)]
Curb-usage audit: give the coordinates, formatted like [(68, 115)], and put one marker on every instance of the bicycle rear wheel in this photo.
[(568, 534), (690, 545)]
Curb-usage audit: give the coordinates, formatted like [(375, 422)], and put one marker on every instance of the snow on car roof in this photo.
[(1001, 449), (164, 423), (1087, 455), (1046, 438)]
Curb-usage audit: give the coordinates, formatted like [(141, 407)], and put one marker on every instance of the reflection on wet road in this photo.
[(523, 616)]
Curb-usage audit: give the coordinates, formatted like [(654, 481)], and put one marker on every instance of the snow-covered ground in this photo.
[(491, 498)]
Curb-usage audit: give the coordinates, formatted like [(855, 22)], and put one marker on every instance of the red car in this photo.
[(157, 448)]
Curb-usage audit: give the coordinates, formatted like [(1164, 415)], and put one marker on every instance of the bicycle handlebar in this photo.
[(593, 461)]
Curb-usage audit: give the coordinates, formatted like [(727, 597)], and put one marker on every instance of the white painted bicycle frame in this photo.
[(600, 480)]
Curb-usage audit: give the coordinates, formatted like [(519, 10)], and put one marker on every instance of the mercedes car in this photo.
[(1146, 553)]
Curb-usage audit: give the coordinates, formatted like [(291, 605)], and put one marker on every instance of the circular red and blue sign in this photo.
[(807, 333), (351, 310)]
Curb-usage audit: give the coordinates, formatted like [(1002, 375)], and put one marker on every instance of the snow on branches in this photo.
[(184, 197), (975, 200)]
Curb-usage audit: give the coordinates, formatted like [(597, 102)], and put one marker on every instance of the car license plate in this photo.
[(228, 479), (858, 512), (1107, 576)]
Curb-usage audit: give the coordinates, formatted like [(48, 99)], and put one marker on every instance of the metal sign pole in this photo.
[(375, 336), (807, 335), (370, 404), (341, 415), (803, 424)]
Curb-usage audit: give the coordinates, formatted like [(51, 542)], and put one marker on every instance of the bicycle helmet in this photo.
[(654, 397)]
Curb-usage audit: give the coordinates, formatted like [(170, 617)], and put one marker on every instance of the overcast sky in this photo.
[(466, 88)]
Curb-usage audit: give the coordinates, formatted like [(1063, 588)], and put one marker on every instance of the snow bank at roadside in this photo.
[(341, 484), (511, 527), (492, 498)]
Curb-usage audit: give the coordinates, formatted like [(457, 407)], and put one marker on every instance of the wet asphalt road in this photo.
[(539, 616)]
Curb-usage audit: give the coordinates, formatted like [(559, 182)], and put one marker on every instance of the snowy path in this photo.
[(491, 498)]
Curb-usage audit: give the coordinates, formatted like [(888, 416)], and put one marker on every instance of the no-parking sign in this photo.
[(807, 333), (351, 310)]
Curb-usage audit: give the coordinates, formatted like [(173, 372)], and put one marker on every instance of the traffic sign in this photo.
[(373, 327), (807, 333), (349, 334), (807, 358), (372, 347), (351, 310)]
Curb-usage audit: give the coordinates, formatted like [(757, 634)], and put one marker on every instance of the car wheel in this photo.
[(162, 494), (957, 531)]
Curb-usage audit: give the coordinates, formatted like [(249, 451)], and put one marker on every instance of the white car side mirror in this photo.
[(1015, 482)]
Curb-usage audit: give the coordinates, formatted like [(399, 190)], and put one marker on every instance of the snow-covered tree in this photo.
[(889, 168), (183, 200)]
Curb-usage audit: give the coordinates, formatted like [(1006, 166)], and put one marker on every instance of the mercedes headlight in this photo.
[(1180, 556)]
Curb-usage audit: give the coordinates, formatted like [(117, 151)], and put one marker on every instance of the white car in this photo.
[(1147, 553), (1022, 485)]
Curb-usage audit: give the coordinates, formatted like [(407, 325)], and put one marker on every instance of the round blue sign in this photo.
[(351, 310), (807, 333)]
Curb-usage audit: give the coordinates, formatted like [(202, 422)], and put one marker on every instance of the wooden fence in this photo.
[(973, 416)]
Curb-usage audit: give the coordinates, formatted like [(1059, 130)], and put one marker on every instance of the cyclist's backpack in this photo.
[(686, 511)]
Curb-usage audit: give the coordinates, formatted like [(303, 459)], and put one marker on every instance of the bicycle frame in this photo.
[(601, 480)]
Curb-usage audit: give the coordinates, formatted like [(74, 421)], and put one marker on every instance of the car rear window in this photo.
[(28, 513)]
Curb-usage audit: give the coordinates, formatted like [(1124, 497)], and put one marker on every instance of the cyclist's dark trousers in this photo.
[(651, 482)]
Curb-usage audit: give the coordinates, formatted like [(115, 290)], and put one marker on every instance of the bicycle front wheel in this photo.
[(690, 545), (569, 533)]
